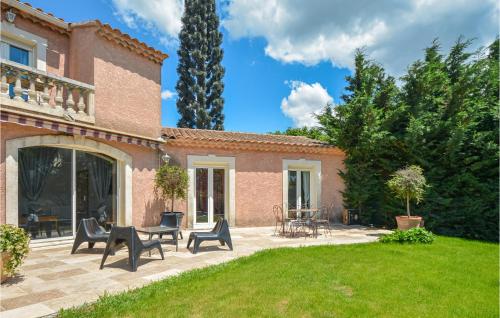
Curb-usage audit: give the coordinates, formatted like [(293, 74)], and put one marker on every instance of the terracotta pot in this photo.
[(5, 258), (406, 223)]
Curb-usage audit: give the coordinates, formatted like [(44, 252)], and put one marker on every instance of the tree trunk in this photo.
[(173, 196), (408, 205)]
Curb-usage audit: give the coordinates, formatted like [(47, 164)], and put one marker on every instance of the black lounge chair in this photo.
[(172, 219), (219, 233), (127, 235), (89, 231)]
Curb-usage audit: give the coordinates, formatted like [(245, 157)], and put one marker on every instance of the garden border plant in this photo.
[(14, 246), (414, 235)]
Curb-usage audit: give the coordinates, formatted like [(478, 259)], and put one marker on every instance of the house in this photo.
[(81, 137)]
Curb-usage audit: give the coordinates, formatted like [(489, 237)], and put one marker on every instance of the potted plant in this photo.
[(408, 184), (14, 246), (171, 182)]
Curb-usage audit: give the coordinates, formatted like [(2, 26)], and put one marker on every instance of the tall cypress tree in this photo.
[(201, 73)]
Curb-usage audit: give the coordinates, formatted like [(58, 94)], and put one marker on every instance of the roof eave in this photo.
[(258, 146), (39, 14)]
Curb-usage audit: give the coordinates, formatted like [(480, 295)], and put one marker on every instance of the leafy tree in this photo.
[(454, 135), (201, 73), (363, 127), (310, 132), (444, 117), (171, 182)]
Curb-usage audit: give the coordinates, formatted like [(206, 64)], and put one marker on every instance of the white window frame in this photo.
[(36, 45), (314, 168), (210, 162)]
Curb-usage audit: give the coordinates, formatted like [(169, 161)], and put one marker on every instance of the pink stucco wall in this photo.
[(57, 44), (258, 187), (259, 180), (127, 84), (146, 208)]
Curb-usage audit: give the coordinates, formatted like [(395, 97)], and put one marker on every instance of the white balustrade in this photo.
[(24, 88)]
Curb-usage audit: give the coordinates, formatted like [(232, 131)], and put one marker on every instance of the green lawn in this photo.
[(450, 278)]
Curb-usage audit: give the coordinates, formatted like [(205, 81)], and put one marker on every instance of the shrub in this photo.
[(415, 235), (15, 241)]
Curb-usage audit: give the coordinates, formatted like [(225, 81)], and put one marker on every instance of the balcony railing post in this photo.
[(90, 103), (59, 98), (81, 103), (4, 85), (28, 89), (18, 90), (32, 91), (45, 94), (70, 103)]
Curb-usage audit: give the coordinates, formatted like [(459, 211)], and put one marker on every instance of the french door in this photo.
[(210, 196), (299, 189)]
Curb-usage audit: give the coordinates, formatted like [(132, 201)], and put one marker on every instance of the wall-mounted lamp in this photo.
[(165, 158), (10, 16)]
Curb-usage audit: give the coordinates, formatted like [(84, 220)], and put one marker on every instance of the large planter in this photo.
[(406, 223), (5, 258)]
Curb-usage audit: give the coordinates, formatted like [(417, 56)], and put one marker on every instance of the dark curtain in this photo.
[(101, 173), (35, 164)]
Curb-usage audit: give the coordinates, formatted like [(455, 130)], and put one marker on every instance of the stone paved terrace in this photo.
[(51, 278)]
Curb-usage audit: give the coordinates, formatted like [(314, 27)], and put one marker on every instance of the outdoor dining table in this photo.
[(304, 217), (159, 230)]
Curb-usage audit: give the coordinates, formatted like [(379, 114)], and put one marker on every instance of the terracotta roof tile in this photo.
[(239, 137), (111, 34)]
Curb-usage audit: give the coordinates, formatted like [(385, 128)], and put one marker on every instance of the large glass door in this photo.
[(95, 188), (58, 187), (299, 189), (45, 198), (210, 196)]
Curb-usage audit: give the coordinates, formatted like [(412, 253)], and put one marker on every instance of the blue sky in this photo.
[(283, 60)]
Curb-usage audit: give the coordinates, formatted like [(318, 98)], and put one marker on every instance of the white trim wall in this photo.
[(36, 44), (314, 166), (212, 161), (123, 168)]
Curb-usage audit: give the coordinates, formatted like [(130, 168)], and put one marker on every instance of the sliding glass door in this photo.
[(210, 196), (58, 187), (45, 200)]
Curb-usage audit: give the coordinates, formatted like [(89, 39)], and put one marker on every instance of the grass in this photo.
[(449, 278)]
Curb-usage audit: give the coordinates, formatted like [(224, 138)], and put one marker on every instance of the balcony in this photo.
[(30, 90)]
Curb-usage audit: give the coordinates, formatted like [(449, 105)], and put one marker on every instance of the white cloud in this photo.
[(167, 94), (394, 32), (162, 17), (304, 101)]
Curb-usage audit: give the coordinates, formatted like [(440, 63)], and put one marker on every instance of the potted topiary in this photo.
[(14, 246), (408, 184), (171, 182)]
